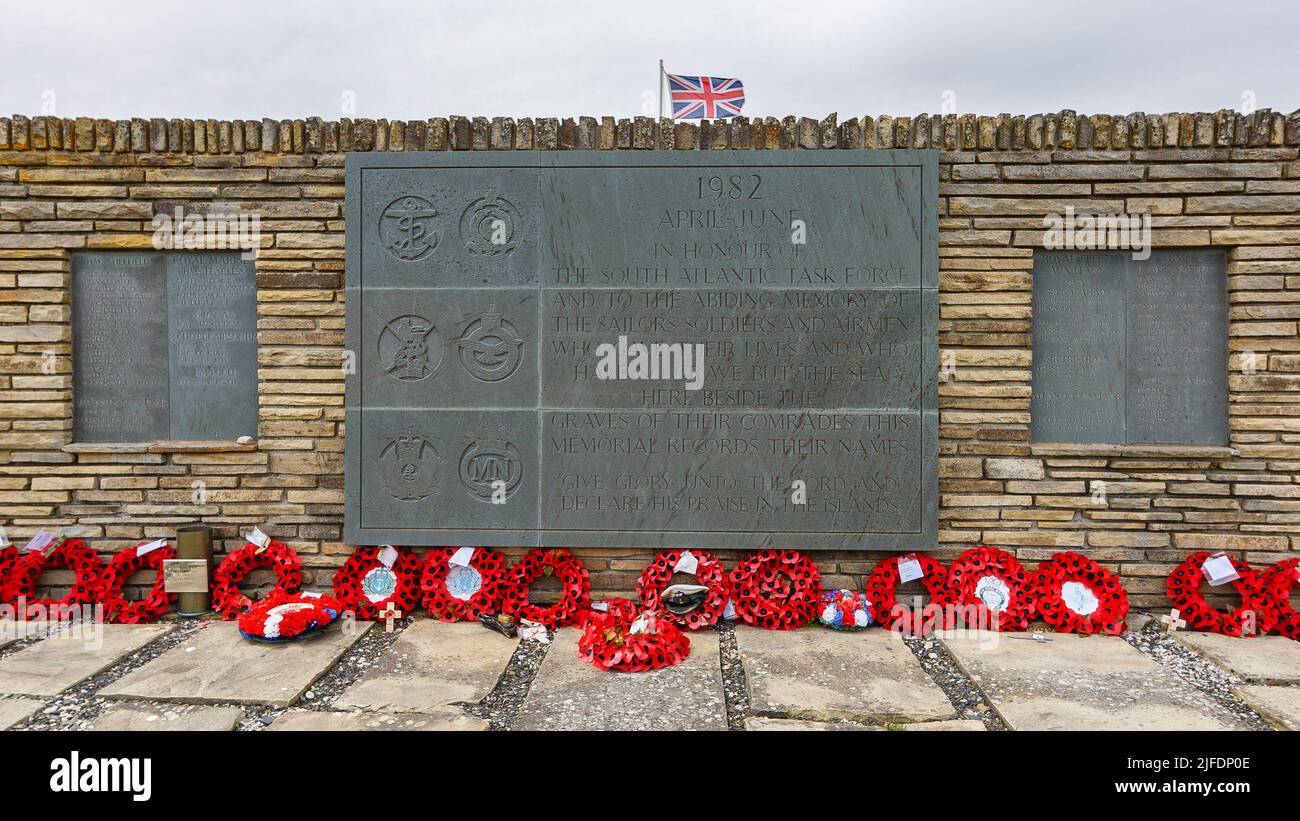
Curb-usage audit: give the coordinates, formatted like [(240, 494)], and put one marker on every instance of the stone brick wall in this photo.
[(1220, 180)]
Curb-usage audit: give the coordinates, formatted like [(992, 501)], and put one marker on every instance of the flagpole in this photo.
[(661, 89)]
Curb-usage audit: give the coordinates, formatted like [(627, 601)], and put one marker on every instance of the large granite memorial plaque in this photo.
[(584, 349), (164, 346), (1130, 351)]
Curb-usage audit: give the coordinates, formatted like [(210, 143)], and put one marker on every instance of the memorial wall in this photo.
[(405, 354)]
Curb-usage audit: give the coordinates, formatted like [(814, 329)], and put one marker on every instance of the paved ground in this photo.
[(200, 675)]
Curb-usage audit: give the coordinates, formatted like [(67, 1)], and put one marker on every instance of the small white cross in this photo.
[(1172, 622), (389, 613)]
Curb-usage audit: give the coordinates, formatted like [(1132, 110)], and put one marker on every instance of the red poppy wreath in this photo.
[(992, 583), (882, 593), (1184, 588), (287, 617), (1074, 594), (72, 554), (226, 598), (8, 558), (462, 592), (120, 569), (708, 573), (575, 591), (776, 589), (367, 586), (1279, 581), (622, 639)]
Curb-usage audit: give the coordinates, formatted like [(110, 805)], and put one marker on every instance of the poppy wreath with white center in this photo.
[(979, 562), (776, 589), (122, 567), (283, 560), (575, 587), (1184, 586), (491, 567), (1279, 581), (882, 587), (709, 572), (350, 578), (607, 643), (8, 558), (300, 614), (73, 554), (1048, 584)]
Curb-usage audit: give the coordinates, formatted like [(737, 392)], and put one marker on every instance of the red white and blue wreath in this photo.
[(1074, 594), (143, 556), (374, 577), (288, 617), (776, 589), (228, 601), (462, 583), (844, 610), (706, 599), (995, 584)]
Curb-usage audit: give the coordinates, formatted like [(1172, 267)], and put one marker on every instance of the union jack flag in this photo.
[(705, 97)]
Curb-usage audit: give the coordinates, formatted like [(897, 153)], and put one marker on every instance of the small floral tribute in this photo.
[(288, 616), (776, 589), (844, 610), (623, 639), (226, 598), (147, 555), (460, 587), (575, 590)]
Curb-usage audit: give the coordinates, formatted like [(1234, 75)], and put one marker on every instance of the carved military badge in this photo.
[(491, 465), (490, 347), (490, 226), (407, 229), (409, 467), (410, 348)]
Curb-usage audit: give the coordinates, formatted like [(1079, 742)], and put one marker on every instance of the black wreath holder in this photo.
[(228, 601), (575, 596), (126, 563), (349, 582), (438, 600), (776, 589), (73, 554)]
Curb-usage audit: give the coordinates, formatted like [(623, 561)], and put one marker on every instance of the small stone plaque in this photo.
[(1130, 351), (580, 349), (164, 346), (185, 575)]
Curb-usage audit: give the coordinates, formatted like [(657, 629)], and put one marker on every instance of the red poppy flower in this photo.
[(1279, 581), (349, 582), (575, 592), (8, 558), (72, 554), (1074, 594), (990, 587), (623, 639), (121, 568), (709, 573), (1184, 588), (881, 590), (776, 589), (440, 601), (226, 598)]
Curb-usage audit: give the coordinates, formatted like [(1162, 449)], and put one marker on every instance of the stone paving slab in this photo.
[(217, 664), (15, 710), (570, 694), (54, 664), (825, 674), (1078, 683), (430, 665), (1279, 706), (761, 724), (314, 720), (1258, 660), (182, 717)]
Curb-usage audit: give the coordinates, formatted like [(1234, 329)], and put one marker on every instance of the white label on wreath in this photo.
[(602, 606), (151, 547), (993, 592), (378, 584), (463, 582), (1079, 598), (4, 539), (388, 555), (257, 537), (1219, 570), (462, 557), (909, 569), (40, 541), (687, 563)]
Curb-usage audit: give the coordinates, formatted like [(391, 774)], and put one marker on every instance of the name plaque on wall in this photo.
[(583, 349), (1130, 351), (164, 346)]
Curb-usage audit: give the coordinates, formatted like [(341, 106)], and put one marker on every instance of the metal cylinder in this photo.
[(194, 542)]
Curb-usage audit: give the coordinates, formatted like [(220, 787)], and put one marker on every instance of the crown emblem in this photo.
[(491, 318), (409, 446)]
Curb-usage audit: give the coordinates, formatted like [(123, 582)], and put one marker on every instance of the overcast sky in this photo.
[(420, 58)]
